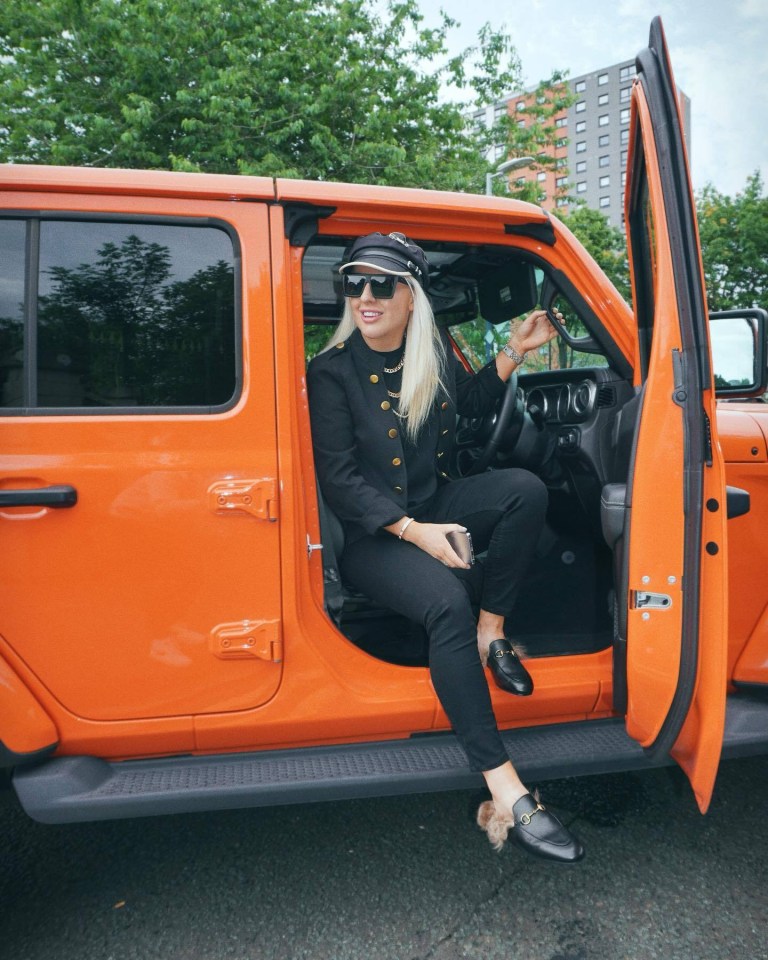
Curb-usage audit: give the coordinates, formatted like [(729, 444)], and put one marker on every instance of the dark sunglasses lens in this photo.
[(382, 285)]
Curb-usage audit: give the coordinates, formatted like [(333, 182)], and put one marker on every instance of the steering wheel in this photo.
[(505, 423)]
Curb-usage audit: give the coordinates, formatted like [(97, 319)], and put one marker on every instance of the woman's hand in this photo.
[(430, 537), (534, 331)]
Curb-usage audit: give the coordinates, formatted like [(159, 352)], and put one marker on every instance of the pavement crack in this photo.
[(478, 907)]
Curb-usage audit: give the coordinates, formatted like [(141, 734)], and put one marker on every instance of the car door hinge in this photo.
[(642, 600), (256, 497), (245, 639)]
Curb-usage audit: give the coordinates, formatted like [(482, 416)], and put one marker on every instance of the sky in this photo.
[(717, 48)]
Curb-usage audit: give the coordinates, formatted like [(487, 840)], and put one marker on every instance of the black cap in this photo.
[(392, 253)]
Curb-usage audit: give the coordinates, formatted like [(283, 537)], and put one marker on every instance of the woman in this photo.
[(384, 395)]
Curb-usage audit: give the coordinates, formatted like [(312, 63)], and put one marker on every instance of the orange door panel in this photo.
[(147, 390), (677, 617)]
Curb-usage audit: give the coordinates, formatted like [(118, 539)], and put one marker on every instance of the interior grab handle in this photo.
[(57, 496)]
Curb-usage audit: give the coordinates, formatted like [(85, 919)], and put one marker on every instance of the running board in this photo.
[(70, 789)]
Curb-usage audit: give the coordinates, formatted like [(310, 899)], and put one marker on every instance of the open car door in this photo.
[(675, 591)]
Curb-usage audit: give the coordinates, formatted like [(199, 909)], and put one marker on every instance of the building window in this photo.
[(604, 161), (605, 201), (625, 135), (562, 201), (500, 110), (602, 100), (580, 86), (521, 123), (542, 197), (581, 166), (581, 186), (605, 181), (604, 139), (625, 94), (623, 158), (581, 126), (498, 151), (561, 162), (626, 72), (602, 79), (624, 116), (561, 122), (624, 178), (541, 175), (562, 142), (603, 120), (541, 99), (581, 106), (581, 146), (520, 105), (561, 181)]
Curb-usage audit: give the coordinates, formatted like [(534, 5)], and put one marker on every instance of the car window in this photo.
[(116, 315)]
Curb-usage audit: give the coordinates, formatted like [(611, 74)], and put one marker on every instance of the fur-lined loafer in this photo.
[(533, 828), (507, 670)]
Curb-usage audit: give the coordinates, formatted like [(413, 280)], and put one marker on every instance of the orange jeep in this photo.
[(174, 635)]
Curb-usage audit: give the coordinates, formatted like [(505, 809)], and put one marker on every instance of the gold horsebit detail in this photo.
[(527, 817)]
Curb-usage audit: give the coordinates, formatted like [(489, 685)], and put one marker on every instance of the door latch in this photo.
[(642, 600)]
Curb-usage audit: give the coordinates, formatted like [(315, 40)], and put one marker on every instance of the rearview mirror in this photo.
[(739, 352)]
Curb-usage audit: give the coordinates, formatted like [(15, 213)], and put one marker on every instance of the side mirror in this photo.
[(739, 352)]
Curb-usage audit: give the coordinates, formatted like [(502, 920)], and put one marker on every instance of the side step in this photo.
[(69, 789)]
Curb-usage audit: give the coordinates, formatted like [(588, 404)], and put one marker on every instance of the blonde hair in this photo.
[(424, 359)]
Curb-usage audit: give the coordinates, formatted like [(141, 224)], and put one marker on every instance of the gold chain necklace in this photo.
[(395, 396), (396, 369)]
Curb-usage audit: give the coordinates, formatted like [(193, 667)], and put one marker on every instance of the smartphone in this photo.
[(461, 541)]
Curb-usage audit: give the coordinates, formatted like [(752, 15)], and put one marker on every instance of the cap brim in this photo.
[(382, 263)]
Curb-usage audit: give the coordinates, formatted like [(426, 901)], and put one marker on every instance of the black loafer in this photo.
[(541, 833), (507, 670)]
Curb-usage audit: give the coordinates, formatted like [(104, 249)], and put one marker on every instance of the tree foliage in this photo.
[(734, 245), (604, 242), (317, 89)]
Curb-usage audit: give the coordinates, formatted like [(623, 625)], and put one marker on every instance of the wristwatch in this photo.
[(513, 355)]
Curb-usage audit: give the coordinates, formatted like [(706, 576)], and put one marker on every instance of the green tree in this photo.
[(319, 89), (734, 245), (605, 243)]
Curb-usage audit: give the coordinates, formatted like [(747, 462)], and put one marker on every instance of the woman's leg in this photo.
[(398, 575), (504, 511)]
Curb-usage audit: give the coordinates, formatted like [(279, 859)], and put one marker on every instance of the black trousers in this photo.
[(504, 511)]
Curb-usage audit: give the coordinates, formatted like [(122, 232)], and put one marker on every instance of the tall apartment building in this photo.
[(591, 155)]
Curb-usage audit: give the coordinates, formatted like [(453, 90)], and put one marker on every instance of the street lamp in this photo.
[(514, 164)]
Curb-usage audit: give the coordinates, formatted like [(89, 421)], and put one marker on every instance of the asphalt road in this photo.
[(409, 878)]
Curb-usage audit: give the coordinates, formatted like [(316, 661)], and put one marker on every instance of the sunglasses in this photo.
[(383, 285)]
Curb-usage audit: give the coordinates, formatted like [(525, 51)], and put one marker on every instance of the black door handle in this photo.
[(55, 496)]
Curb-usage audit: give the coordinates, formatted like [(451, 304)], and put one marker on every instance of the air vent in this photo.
[(606, 396)]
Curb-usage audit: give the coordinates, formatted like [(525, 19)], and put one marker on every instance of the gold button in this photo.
[(444, 405), (396, 462), (398, 489), (340, 346), (445, 431), (373, 378), (392, 433), (385, 405)]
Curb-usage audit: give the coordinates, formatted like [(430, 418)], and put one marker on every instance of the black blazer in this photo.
[(357, 436)]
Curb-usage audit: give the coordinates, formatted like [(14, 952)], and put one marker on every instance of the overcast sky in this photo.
[(718, 49)]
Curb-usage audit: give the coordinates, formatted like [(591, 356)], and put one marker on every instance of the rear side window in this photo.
[(127, 315)]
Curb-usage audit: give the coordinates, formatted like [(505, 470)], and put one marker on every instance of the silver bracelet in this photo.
[(404, 528), (513, 355)]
